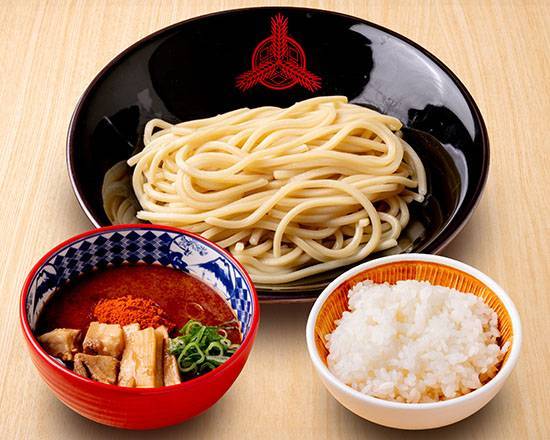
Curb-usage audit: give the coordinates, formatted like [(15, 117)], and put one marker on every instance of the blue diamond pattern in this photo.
[(106, 248), (99, 241)]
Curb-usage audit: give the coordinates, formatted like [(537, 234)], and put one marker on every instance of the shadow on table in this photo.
[(207, 426)]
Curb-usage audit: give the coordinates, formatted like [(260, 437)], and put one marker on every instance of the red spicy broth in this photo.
[(181, 296)]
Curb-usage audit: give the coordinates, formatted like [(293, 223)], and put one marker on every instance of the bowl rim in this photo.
[(493, 384), (440, 240), (35, 346)]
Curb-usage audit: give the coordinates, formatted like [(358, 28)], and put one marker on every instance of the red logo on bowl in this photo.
[(278, 62)]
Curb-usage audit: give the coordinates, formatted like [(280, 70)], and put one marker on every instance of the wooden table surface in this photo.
[(50, 51)]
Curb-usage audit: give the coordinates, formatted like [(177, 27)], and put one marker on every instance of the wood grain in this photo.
[(500, 49)]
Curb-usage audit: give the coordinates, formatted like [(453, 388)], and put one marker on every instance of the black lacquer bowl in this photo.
[(191, 70)]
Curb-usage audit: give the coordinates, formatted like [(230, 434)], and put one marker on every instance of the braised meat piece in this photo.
[(100, 368), (104, 339), (61, 343)]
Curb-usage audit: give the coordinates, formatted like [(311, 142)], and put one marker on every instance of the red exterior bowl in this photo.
[(144, 408)]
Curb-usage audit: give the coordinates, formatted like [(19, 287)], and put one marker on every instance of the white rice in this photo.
[(414, 342)]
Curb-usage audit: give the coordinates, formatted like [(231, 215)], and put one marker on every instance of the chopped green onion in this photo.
[(201, 348)]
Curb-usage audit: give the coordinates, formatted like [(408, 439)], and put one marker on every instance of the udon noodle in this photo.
[(290, 192), (119, 201)]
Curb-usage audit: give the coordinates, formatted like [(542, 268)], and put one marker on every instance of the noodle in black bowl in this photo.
[(277, 56)]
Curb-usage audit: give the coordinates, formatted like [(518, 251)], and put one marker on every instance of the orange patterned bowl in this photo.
[(421, 267)]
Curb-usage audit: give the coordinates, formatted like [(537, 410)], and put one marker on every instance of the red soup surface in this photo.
[(181, 296)]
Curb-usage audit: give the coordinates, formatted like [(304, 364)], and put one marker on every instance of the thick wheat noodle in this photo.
[(290, 192), (256, 236), (119, 203)]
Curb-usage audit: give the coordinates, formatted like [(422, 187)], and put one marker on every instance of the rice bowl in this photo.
[(331, 304)]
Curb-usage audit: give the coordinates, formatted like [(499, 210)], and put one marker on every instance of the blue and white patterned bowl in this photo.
[(149, 244), (145, 244)]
